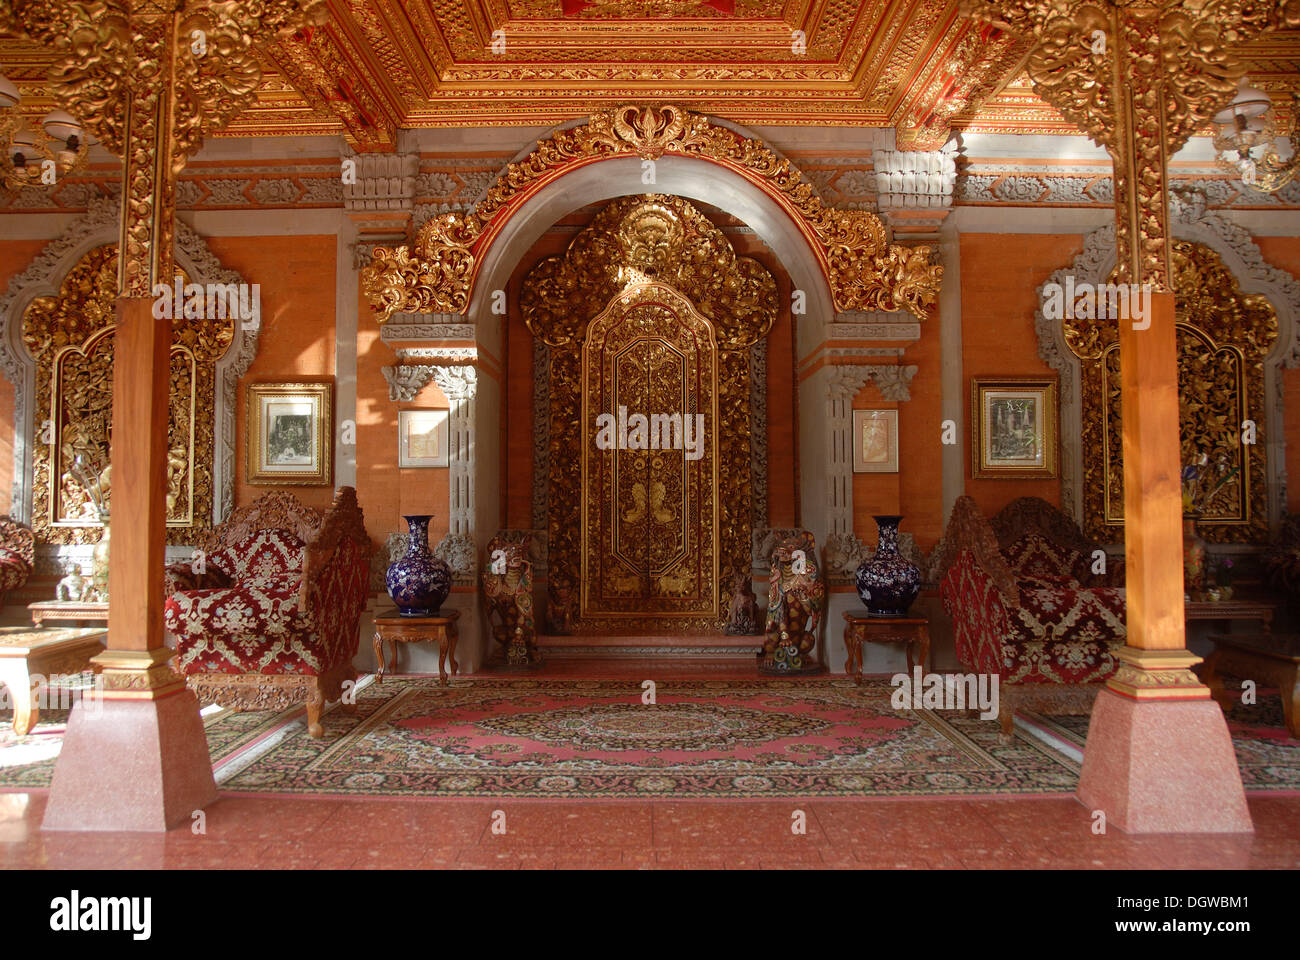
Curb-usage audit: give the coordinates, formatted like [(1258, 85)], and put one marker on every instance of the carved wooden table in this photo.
[(395, 628), (1266, 658), (64, 610), (28, 654), (862, 628), (1261, 610)]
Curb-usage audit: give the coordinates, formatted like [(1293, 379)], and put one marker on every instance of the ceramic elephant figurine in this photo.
[(796, 599)]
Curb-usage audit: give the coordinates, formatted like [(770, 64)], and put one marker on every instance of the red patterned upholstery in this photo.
[(269, 621), (14, 570), (1024, 612)]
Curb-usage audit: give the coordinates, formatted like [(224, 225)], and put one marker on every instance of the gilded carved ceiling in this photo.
[(377, 66)]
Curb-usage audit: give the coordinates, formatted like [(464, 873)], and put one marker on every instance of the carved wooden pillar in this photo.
[(1139, 79), (149, 81)]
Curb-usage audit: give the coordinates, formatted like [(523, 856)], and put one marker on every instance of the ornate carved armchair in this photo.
[(796, 597), (17, 556), (269, 617), (1031, 611), (508, 591)]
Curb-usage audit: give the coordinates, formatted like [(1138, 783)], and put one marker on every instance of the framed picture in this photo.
[(290, 434), (875, 441), (1014, 427), (423, 438)]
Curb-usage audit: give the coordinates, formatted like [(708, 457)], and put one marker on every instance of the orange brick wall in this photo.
[(1000, 276), (1284, 253), (296, 276)]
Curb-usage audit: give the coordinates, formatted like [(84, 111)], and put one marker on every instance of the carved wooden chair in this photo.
[(508, 590), (268, 615), (1023, 614), (17, 556)]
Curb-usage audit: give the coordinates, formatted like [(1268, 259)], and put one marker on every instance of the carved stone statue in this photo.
[(795, 600), (74, 586), (742, 616), (561, 605), (508, 590)]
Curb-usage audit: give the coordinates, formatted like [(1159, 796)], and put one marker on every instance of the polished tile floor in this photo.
[(955, 833), (246, 832)]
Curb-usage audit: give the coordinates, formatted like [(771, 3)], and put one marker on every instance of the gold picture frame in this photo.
[(1014, 428), (290, 428), (875, 441)]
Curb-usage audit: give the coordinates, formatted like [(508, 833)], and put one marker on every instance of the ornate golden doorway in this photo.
[(649, 310), (649, 463)]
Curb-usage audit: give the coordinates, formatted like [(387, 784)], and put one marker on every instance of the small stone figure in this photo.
[(742, 617), (74, 585), (559, 605)]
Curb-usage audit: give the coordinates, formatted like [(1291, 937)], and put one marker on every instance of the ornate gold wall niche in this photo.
[(631, 241), (70, 336), (1223, 337)]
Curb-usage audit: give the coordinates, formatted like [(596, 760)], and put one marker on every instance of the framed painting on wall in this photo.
[(875, 441), (423, 438), (290, 431), (1014, 427)]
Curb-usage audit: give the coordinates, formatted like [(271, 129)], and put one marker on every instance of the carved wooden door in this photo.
[(650, 519)]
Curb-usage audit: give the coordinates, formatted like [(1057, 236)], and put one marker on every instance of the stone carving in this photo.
[(406, 380), (459, 552), (508, 592), (796, 599), (915, 178), (74, 585), (893, 380)]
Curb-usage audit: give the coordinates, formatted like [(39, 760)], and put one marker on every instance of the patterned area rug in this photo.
[(723, 739), (538, 738)]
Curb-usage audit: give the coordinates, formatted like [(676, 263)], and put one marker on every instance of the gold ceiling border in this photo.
[(1224, 337), (863, 270)]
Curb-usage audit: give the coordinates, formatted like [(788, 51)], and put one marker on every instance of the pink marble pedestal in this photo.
[(1162, 766), (131, 765)]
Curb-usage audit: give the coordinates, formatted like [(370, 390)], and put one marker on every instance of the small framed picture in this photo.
[(875, 441), (423, 438), (290, 432), (1014, 427)]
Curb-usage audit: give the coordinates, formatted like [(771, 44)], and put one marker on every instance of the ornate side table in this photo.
[(395, 628), (31, 653), (861, 628), (74, 611)]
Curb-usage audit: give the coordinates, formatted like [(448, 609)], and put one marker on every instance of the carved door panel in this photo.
[(650, 527)]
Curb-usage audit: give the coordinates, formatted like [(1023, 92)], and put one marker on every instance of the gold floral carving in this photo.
[(863, 270), (150, 81), (1165, 67), (70, 336), (636, 239), (1223, 337)]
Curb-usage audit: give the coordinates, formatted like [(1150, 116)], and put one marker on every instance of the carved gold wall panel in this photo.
[(1223, 337), (70, 336)]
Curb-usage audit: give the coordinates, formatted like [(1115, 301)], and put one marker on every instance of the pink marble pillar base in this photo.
[(1162, 767), (131, 765)]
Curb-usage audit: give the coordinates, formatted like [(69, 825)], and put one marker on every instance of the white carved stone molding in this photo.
[(1190, 220), (404, 327), (910, 179), (460, 384), (385, 182), (406, 380), (43, 277), (843, 383), (875, 325)]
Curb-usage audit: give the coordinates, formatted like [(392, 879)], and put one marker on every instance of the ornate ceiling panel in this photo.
[(378, 66)]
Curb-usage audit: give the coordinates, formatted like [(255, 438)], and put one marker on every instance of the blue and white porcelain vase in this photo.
[(419, 582), (887, 583)]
